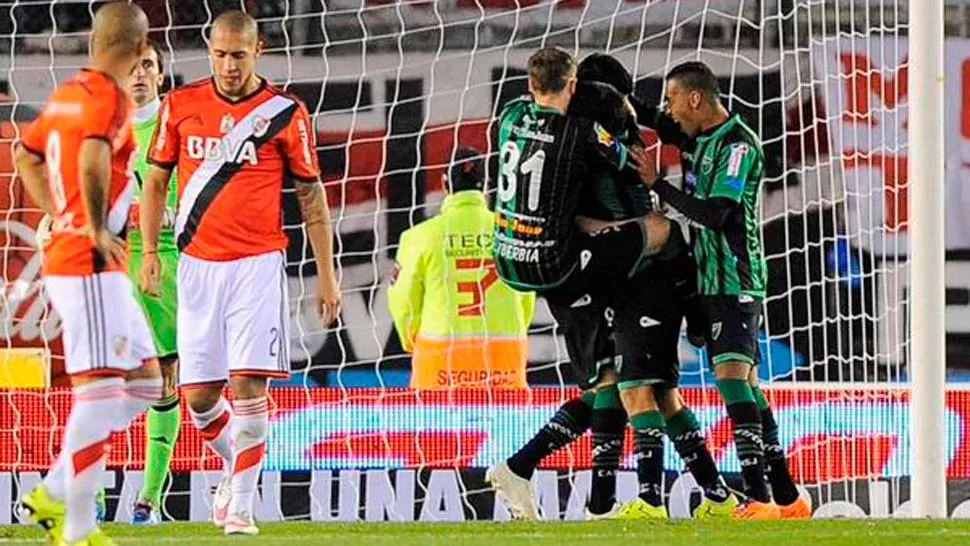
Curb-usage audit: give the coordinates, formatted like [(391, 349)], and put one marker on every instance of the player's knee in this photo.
[(668, 400), (657, 227), (202, 398), (638, 400), (169, 369), (732, 370), (149, 369), (607, 378), (753, 376), (248, 386)]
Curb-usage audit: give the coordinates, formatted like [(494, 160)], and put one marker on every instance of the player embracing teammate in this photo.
[(544, 251)]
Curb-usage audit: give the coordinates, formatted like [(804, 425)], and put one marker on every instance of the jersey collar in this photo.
[(147, 113), (465, 198), (717, 130)]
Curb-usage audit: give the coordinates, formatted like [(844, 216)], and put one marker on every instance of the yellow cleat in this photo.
[(94, 538), (639, 509), (710, 509), (40, 508)]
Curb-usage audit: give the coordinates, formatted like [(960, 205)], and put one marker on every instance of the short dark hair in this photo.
[(158, 56), (468, 171), (605, 68), (550, 69), (697, 76)]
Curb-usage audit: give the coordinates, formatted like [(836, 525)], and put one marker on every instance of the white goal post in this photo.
[(927, 159)]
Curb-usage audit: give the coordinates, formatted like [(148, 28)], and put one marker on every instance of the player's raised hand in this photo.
[(645, 164), (150, 274), (111, 247), (328, 299)]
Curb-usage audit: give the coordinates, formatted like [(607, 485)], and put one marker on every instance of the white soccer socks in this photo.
[(249, 444), (214, 427), (84, 453)]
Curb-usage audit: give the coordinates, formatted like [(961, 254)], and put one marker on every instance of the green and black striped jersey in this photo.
[(545, 160), (728, 162)]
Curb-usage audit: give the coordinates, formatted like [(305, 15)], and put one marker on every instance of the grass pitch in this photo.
[(674, 533)]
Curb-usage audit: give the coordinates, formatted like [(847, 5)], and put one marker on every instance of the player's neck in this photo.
[(718, 115), (112, 66), (557, 102), (146, 111), (252, 84)]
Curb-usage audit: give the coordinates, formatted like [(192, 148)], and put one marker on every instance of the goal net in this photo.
[(395, 88)]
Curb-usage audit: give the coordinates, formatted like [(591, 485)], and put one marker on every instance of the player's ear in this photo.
[(532, 88), (571, 85), (695, 98), (260, 46)]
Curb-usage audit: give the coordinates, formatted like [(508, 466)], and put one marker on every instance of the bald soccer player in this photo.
[(73, 160), (234, 138)]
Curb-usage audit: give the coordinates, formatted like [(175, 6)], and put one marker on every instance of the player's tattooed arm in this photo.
[(30, 169), (316, 217)]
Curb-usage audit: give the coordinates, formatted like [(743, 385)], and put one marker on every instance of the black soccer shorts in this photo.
[(733, 323), (630, 325)]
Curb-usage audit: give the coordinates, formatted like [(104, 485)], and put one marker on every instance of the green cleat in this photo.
[(639, 509), (40, 508), (710, 509)]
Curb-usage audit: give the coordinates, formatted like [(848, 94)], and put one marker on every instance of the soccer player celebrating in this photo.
[(234, 139), (545, 161), (723, 164), (162, 424), (83, 139), (607, 199)]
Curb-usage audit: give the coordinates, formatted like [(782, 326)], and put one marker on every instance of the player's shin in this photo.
[(649, 429), (688, 439), (608, 424), (162, 428), (249, 444), (776, 465), (743, 412), (569, 423), (214, 426), (85, 441)]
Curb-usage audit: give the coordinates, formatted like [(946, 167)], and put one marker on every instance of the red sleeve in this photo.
[(164, 149), (105, 115), (300, 146), (34, 139)]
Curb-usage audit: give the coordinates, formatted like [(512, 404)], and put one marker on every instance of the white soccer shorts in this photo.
[(232, 319), (105, 331)]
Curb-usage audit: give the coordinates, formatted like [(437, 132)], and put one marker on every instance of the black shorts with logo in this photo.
[(733, 323), (631, 325)]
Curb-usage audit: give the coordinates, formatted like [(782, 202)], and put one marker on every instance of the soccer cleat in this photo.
[(514, 490), (711, 509), (220, 502), (240, 524), (94, 538), (640, 509), (755, 510), (40, 508), (608, 515), (800, 509), (145, 514)]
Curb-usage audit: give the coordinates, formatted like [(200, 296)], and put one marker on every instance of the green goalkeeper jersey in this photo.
[(166, 238)]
